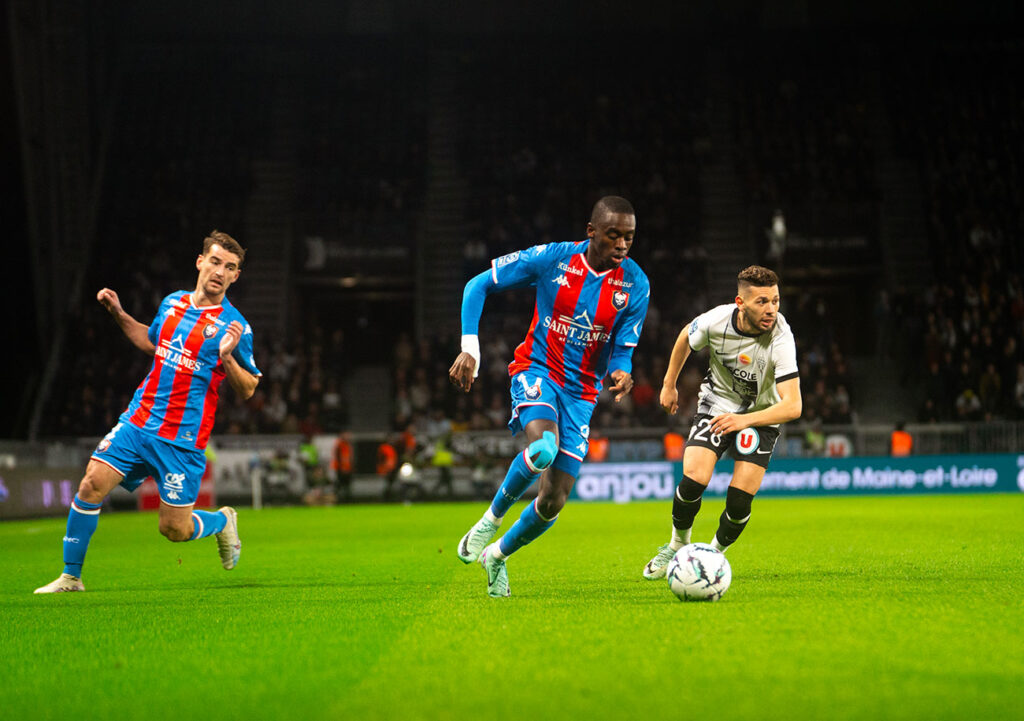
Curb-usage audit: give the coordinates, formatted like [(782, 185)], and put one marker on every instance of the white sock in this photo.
[(716, 544), (496, 520), (679, 538), (496, 552)]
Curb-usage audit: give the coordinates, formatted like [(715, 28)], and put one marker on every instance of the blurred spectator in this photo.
[(901, 443), (342, 464)]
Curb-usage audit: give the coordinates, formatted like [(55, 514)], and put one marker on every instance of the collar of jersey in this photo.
[(583, 256), (201, 308)]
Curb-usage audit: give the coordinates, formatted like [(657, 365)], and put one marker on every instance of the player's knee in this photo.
[(174, 531), (737, 504), (550, 503), (88, 491), (690, 490), (542, 451)]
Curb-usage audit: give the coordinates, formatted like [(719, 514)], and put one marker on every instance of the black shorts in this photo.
[(753, 445)]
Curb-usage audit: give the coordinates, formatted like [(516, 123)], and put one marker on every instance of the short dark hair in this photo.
[(611, 204), (757, 276), (226, 242)]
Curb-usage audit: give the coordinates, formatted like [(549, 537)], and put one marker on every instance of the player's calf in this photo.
[(685, 504), (733, 519), (174, 530)]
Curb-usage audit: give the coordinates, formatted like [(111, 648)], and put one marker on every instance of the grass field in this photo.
[(857, 608)]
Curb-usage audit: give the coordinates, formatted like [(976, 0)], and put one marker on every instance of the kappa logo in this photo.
[(562, 281), (532, 392), (582, 447), (620, 299)]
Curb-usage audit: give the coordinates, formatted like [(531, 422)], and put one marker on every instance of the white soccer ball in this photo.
[(699, 572)]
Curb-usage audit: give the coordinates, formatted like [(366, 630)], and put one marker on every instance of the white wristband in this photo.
[(471, 345)]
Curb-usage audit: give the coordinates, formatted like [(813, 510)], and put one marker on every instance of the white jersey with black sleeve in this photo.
[(744, 368)]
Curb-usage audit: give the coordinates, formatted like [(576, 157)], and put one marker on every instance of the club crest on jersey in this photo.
[(210, 331), (744, 359), (620, 299), (532, 392)]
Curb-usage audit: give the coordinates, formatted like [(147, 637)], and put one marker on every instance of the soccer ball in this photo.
[(699, 572)]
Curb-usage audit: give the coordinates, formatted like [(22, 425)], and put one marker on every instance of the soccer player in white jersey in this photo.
[(751, 387)]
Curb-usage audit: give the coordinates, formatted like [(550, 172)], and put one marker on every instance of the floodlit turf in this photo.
[(861, 608)]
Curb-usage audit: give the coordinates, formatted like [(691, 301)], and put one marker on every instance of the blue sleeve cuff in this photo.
[(621, 359)]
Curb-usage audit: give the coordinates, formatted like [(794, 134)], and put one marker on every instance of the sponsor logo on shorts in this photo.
[(532, 392), (585, 431), (747, 441), (175, 484)]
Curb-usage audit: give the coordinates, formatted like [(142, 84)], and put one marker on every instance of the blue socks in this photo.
[(84, 517), (525, 469), (529, 526), (205, 523), (82, 521)]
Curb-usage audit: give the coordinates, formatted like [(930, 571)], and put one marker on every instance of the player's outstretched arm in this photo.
[(787, 409), (136, 332), (669, 397), (240, 379)]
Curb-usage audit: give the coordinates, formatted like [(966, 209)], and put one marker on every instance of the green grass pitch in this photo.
[(855, 608)]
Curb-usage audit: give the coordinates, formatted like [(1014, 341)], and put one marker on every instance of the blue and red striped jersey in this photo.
[(177, 400), (581, 319)]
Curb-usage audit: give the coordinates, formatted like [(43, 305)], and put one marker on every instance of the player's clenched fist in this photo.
[(232, 334), (669, 399), (109, 300), (461, 372)]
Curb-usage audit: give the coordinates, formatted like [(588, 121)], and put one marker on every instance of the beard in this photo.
[(754, 322)]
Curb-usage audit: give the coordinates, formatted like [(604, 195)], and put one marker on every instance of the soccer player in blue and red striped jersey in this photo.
[(197, 340), (590, 309)]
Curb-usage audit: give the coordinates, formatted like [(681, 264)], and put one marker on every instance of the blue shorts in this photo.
[(137, 455), (535, 396)]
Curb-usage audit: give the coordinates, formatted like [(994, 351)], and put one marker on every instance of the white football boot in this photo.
[(497, 574), (475, 539), (64, 583), (228, 543), (656, 567)]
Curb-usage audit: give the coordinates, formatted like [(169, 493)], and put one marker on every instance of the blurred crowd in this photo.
[(802, 133), (958, 113)]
